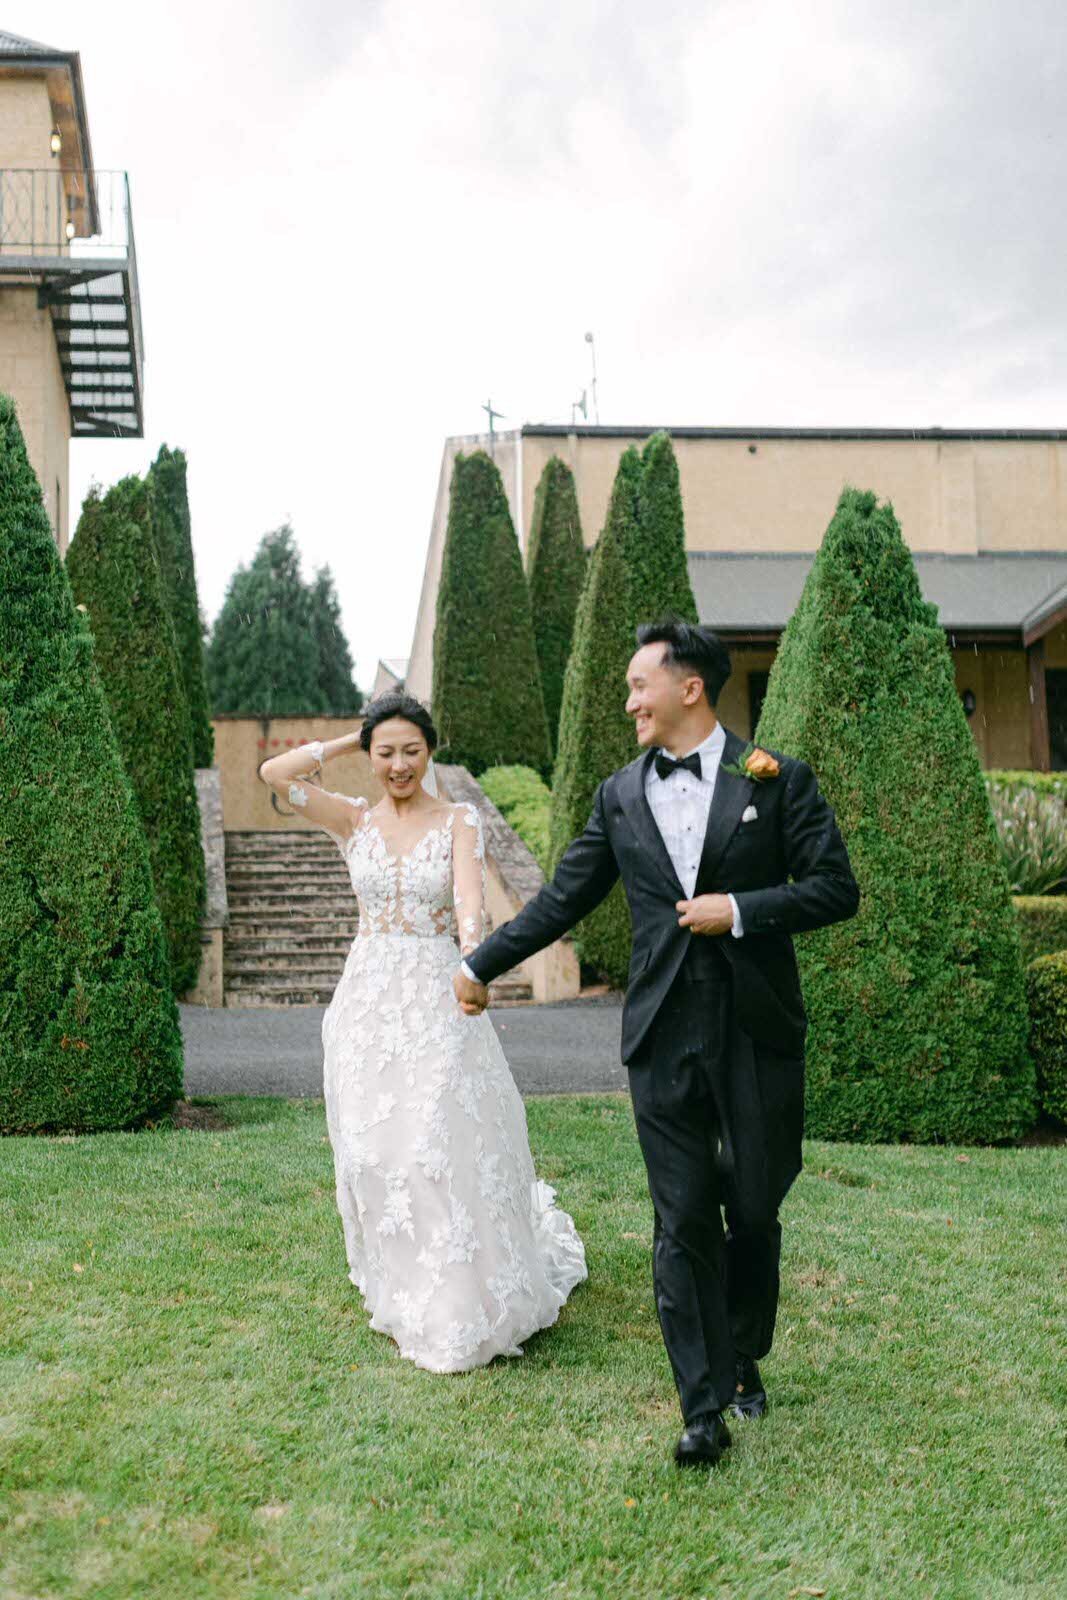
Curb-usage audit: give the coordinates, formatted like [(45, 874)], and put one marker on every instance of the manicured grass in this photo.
[(202, 1411)]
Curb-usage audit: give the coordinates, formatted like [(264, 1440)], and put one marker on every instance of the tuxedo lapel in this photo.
[(638, 814), (731, 796)]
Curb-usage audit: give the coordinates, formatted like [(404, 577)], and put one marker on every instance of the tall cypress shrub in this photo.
[(263, 658), (337, 693), (556, 563), (596, 737), (657, 561), (169, 501), (114, 573), (487, 697), (90, 1029), (916, 1006)]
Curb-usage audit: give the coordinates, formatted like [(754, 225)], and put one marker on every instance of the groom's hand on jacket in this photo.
[(706, 913), (472, 997)]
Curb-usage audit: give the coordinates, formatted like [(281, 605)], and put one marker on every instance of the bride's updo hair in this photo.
[(397, 704)]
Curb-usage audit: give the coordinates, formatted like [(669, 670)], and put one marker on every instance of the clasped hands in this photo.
[(472, 997)]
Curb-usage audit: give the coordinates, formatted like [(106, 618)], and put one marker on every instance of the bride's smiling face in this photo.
[(399, 755)]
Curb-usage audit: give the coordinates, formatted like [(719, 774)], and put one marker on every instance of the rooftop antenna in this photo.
[(580, 405), (488, 406), (592, 354)]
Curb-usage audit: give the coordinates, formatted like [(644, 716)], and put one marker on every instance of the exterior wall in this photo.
[(30, 373), (509, 457), (242, 743), (26, 121), (29, 361), (953, 495)]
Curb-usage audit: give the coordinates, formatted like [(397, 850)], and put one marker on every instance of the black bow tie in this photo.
[(665, 764)]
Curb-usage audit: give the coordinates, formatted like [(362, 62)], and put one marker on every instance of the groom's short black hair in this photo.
[(690, 648)]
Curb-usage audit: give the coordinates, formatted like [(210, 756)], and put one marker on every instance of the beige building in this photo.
[(70, 320), (984, 511)]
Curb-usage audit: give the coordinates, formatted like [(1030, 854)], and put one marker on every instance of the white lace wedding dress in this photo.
[(457, 1247)]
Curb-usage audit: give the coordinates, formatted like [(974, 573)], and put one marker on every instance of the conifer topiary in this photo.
[(556, 564), (487, 698), (91, 1034), (114, 572), (263, 658), (656, 556), (169, 501), (596, 737), (916, 1006)]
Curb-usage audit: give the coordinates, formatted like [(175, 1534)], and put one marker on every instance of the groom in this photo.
[(720, 870)]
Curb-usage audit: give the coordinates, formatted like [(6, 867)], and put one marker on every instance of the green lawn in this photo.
[(191, 1403)]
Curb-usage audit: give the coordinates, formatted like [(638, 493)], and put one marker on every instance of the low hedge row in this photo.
[(1042, 922), (1046, 993), (525, 801)]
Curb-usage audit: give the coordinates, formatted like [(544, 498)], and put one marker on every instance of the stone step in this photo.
[(276, 902), (312, 878), (252, 926), (311, 967), (247, 846), (296, 992), (279, 944)]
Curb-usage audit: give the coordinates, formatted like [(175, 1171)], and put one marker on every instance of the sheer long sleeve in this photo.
[(468, 877), (336, 813)]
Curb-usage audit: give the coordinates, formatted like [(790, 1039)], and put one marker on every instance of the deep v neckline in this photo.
[(427, 833)]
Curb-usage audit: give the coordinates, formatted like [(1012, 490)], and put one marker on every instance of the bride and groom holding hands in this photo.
[(724, 853)]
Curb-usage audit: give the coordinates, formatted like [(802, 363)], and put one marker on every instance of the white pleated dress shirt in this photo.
[(680, 805)]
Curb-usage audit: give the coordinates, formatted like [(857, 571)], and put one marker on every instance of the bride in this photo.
[(458, 1250)]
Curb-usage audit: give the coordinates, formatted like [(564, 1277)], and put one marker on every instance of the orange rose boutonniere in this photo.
[(755, 763)]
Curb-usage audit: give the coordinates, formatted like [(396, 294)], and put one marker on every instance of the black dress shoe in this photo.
[(751, 1396), (703, 1442)]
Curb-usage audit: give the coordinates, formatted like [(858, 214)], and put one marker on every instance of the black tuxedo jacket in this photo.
[(788, 870)]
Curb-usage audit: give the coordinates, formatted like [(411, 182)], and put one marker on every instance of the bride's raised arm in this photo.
[(284, 773), (468, 876)]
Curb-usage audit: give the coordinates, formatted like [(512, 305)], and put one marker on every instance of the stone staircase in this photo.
[(292, 919)]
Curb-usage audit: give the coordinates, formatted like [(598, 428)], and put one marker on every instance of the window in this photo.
[(757, 693)]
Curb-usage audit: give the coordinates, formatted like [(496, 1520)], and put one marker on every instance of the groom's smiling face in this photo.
[(662, 698)]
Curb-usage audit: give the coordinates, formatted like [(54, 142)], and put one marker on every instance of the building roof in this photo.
[(1021, 592), (15, 45), (561, 430), (397, 665)]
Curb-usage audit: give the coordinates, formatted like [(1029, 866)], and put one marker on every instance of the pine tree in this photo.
[(114, 572), (91, 1033), (556, 563), (263, 659), (596, 737), (656, 556), (337, 693), (487, 697), (916, 1006), (169, 500)]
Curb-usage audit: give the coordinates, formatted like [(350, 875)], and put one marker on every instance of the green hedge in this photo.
[(656, 556), (556, 563), (595, 735), (917, 1005), (1040, 782), (91, 1034), (114, 573), (524, 800), (1042, 924), (169, 503), (487, 698), (1046, 991)]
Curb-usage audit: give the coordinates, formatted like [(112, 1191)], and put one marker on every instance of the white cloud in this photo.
[(356, 222)]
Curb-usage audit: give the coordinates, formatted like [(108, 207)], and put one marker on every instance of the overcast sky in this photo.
[(357, 219)]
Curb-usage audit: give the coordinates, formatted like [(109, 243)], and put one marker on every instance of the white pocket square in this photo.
[(749, 814)]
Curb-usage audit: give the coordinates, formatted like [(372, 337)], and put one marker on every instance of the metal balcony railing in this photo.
[(70, 232)]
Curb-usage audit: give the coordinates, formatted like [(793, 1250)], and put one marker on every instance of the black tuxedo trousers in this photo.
[(716, 1288)]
